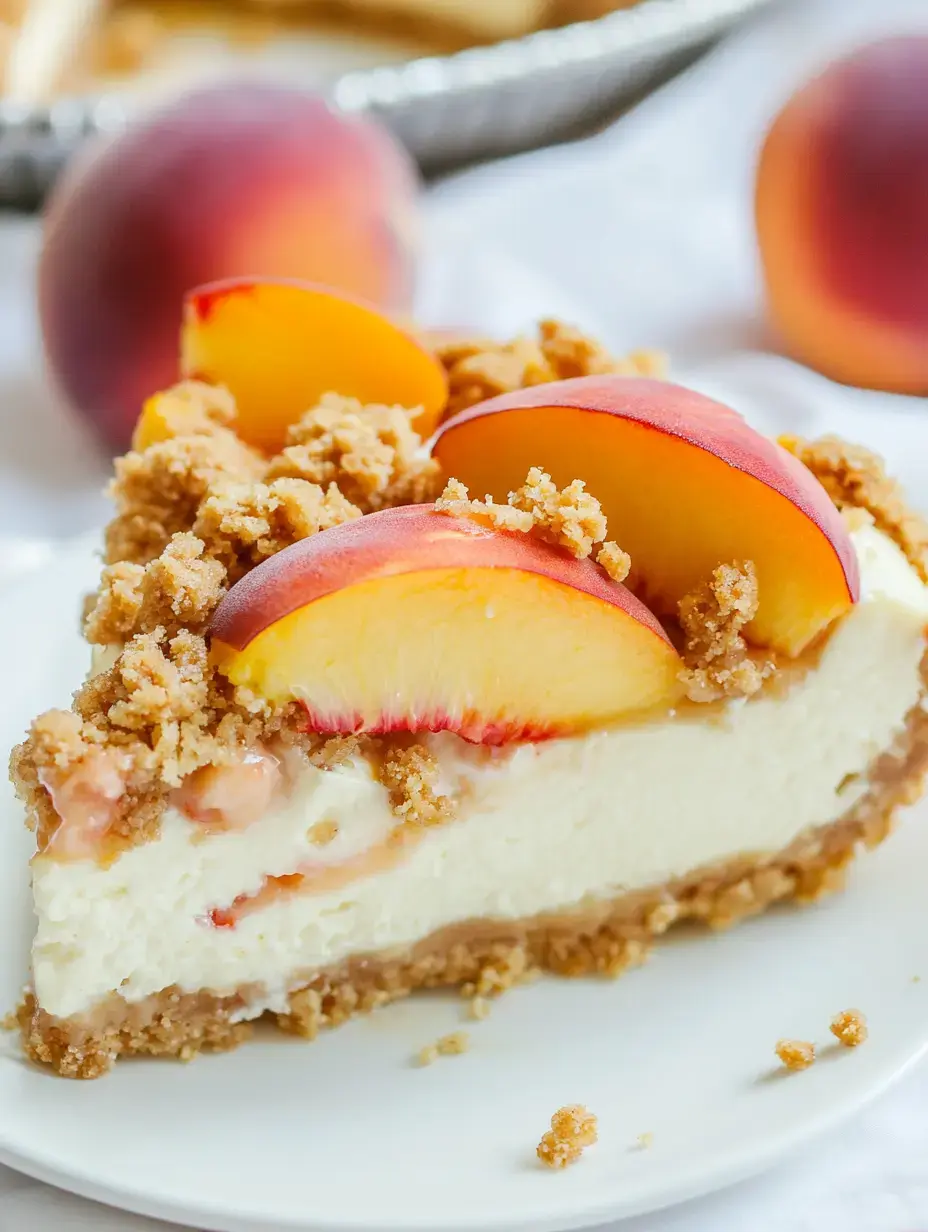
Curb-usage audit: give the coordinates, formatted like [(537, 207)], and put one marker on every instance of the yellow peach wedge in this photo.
[(686, 485), (414, 620), (278, 346)]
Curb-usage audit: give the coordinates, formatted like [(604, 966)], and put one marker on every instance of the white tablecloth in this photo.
[(644, 235)]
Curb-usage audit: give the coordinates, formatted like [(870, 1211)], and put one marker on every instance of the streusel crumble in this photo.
[(573, 1129), (849, 1028)]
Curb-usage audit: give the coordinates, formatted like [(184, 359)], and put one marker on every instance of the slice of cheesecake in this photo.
[(349, 732)]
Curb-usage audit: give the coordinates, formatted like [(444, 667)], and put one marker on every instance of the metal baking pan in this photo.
[(477, 103)]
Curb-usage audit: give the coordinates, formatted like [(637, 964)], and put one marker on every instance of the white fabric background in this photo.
[(644, 235)]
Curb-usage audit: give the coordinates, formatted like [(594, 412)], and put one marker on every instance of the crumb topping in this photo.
[(855, 477), (713, 617), (573, 1129), (241, 524), (571, 518), (849, 1028), (410, 774), (372, 453), (479, 369), (158, 490), (177, 590), (795, 1054)]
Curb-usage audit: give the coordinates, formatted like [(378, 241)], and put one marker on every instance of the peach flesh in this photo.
[(412, 620), (279, 345), (685, 483), (234, 180)]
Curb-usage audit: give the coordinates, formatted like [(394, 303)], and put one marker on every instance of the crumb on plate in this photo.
[(796, 1054), (448, 1046), (573, 1128), (849, 1028)]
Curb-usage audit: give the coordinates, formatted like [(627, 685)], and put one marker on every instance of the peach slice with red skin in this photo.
[(412, 620), (278, 346), (685, 483)]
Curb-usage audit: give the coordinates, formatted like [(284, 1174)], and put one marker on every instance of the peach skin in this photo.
[(412, 620), (685, 484), (278, 346), (230, 181), (842, 218)]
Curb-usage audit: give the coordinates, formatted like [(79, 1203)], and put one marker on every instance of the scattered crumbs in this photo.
[(850, 1028), (479, 1008), (644, 1141), (448, 1046), (573, 1128), (322, 833), (795, 1054), (9, 1022)]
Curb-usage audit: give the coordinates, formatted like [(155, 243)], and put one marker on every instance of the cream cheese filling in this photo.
[(538, 828)]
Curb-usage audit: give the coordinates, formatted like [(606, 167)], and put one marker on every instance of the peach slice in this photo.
[(412, 620), (685, 485), (279, 346)]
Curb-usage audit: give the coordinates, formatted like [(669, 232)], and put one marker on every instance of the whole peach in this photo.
[(235, 180), (842, 218)]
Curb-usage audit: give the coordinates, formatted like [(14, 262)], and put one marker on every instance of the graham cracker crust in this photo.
[(489, 956)]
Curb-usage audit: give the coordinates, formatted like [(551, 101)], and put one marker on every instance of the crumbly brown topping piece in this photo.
[(795, 1054), (452, 1045), (177, 590), (242, 524), (713, 617), (410, 774), (160, 707), (372, 453), (479, 369), (573, 1129), (157, 491), (850, 1028), (855, 477), (570, 518)]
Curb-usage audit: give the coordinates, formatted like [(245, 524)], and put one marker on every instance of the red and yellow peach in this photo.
[(279, 346), (685, 483), (842, 218), (231, 181), (413, 620)]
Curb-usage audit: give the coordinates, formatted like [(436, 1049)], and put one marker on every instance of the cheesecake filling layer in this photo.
[(538, 828)]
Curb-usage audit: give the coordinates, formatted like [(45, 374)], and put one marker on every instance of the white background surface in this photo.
[(643, 234)]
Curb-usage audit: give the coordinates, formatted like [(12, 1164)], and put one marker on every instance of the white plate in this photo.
[(345, 1134)]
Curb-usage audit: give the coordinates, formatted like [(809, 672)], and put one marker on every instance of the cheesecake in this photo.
[(424, 662)]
